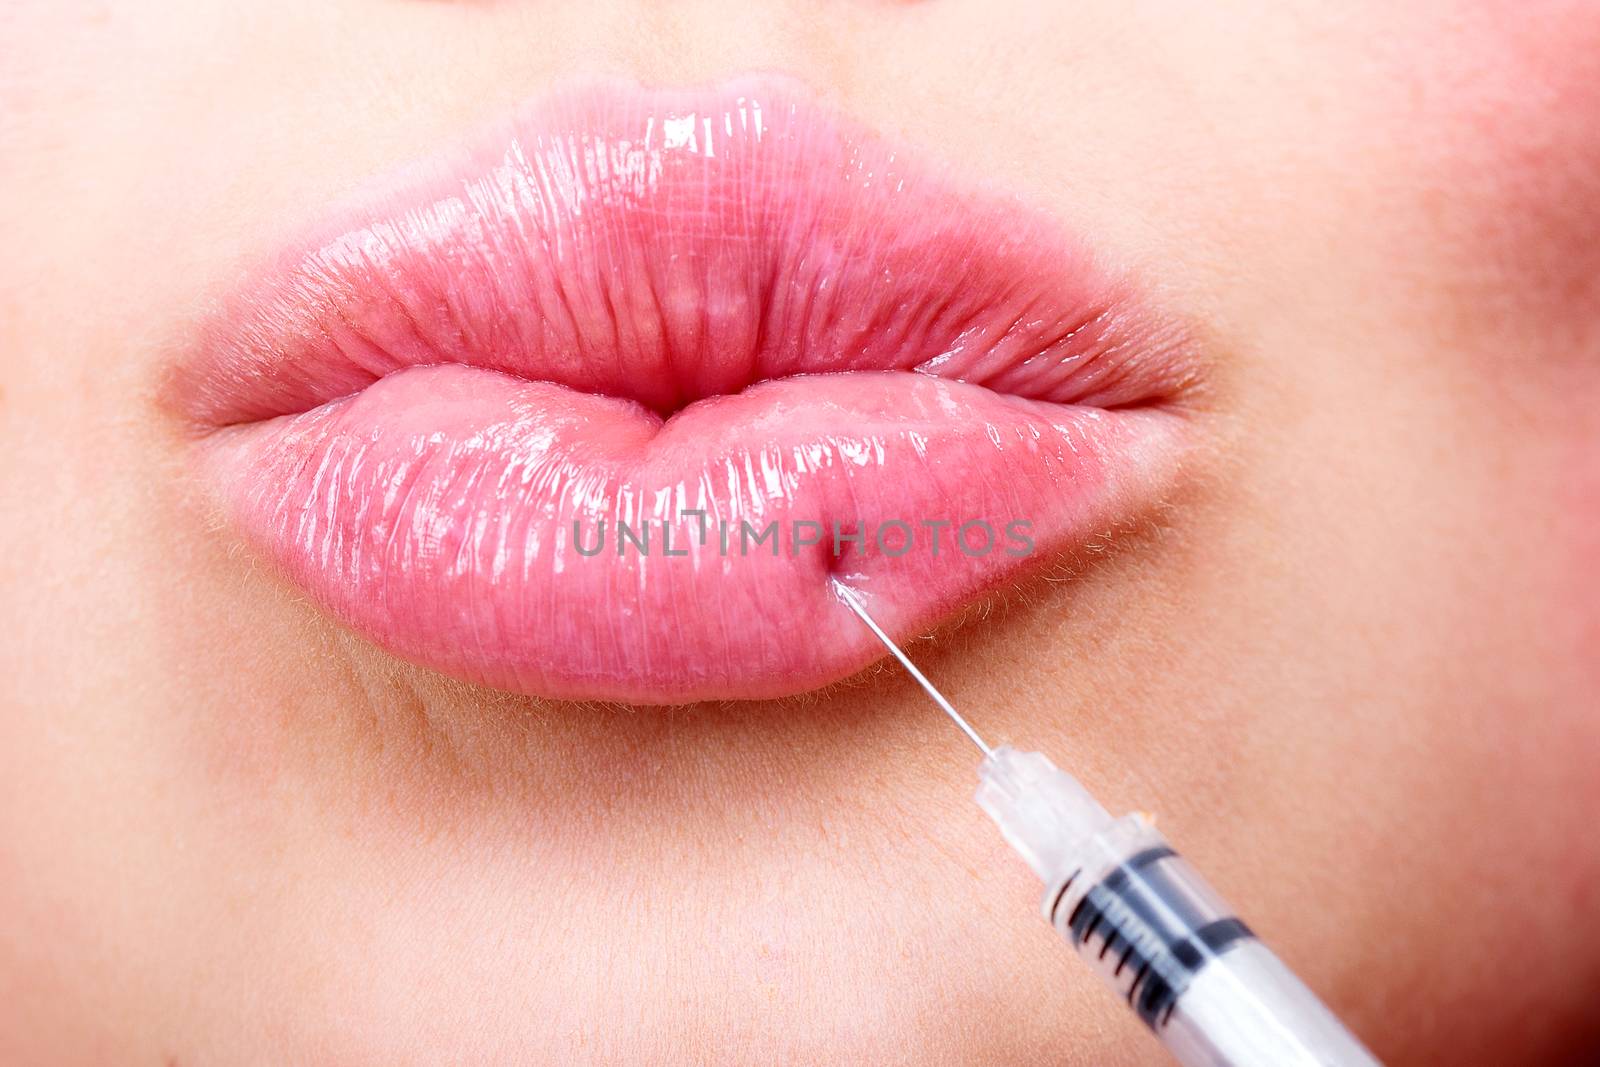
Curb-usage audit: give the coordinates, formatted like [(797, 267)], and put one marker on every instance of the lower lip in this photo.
[(448, 513)]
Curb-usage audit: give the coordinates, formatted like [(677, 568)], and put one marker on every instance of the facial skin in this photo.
[(1352, 667)]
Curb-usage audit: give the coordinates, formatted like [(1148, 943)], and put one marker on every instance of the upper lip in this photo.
[(661, 249)]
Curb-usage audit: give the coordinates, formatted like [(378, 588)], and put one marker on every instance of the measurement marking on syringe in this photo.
[(1072, 920), (1137, 979), (1056, 904)]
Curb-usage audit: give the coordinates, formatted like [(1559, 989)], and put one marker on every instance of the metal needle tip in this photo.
[(938, 698)]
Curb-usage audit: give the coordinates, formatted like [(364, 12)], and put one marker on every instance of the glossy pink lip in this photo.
[(687, 312)]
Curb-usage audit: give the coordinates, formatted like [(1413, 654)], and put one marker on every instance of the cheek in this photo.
[(1493, 123), (1510, 159), (1502, 107), (1536, 119)]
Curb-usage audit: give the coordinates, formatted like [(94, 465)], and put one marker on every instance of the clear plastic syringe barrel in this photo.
[(1155, 931)]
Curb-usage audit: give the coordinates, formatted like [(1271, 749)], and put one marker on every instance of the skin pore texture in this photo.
[(1347, 657)]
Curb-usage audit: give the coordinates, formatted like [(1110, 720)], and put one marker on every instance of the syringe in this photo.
[(1145, 920)]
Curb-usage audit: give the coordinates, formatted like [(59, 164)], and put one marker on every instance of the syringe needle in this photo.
[(938, 698)]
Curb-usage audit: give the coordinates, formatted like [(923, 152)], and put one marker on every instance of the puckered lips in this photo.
[(597, 406)]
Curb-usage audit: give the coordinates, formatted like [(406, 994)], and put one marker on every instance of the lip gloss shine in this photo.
[(624, 308)]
